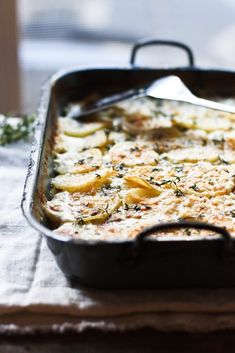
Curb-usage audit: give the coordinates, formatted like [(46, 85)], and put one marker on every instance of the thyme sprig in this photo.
[(12, 131)]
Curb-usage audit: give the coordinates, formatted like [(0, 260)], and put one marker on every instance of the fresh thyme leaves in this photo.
[(156, 169), (107, 132), (107, 209), (204, 142), (121, 166), (104, 191), (194, 187), (135, 149), (179, 192), (177, 179), (223, 160), (109, 187), (20, 129), (218, 141), (136, 207), (164, 181), (80, 221), (188, 231), (232, 213), (80, 161), (159, 112), (179, 169)]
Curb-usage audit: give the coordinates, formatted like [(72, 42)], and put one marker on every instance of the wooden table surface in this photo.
[(140, 341)]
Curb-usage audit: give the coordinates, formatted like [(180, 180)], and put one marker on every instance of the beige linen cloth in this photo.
[(34, 294)]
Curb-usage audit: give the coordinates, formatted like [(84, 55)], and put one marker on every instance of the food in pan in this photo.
[(139, 163)]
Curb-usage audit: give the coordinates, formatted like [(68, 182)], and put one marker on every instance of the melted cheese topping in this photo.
[(141, 163)]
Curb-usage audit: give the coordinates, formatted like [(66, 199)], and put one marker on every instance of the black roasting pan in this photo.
[(184, 262)]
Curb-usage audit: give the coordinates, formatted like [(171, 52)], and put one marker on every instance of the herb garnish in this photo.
[(194, 187), (136, 207), (179, 192), (13, 132), (106, 209), (80, 221), (179, 169), (232, 213), (135, 149), (156, 169), (223, 160), (80, 161), (188, 231)]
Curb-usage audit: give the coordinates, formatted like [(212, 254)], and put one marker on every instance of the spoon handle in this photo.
[(103, 103), (212, 105)]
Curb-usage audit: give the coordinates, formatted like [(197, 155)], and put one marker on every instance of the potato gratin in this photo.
[(140, 163)]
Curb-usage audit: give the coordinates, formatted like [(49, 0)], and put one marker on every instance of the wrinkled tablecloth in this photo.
[(35, 295)]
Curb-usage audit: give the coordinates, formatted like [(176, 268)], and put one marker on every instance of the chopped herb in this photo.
[(135, 149), (204, 142), (188, 231), (81, 161), (156, 169), (135, 207), (155, 160), (194, 187), (159, 112), (121, 166), (218, 141), (107, 132), (178, 192), (150, 179), (223, 160), (80, 221), (106, 209), (98, 175), (232, 213), (179, 169), (147, 207), (104, 191), (177, 179), (165, 181)]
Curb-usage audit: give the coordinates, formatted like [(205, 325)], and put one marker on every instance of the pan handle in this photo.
[(144, 43), (136, 246)]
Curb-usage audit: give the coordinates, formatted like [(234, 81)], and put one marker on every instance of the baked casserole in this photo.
[(140, 163)]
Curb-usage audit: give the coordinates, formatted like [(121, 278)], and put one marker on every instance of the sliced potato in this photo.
[(72, 127), (133, 181), (65, 143), (194, 154), (78, 162), (130, 153), (139, 195), (207, 121), (66, 207), (82, 182)]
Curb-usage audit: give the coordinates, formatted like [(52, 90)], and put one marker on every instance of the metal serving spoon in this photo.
[(169, 87)]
